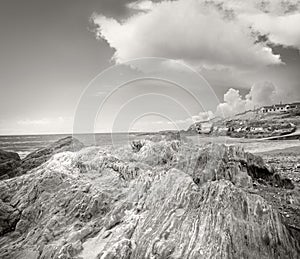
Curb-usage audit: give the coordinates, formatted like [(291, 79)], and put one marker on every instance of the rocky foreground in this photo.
[(163, 199)]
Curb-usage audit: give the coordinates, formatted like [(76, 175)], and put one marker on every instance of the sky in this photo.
[(117, 65)]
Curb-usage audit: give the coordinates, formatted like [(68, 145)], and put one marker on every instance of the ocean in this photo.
[(24, 144)]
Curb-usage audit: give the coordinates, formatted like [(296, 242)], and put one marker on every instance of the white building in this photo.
[(279, 108)]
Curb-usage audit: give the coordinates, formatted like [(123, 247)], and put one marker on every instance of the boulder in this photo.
[(6, 155), (9, 161)]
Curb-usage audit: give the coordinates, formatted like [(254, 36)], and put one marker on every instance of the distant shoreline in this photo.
[(70, 134)]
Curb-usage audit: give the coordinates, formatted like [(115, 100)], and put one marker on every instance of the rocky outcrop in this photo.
[(213, 162), (215, 221), (40, 156), (54, 206), (9, 161), (11, 165), (210, 162), (6, 155), (143, 202)]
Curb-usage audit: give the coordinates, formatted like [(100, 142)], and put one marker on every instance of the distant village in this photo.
[(254, 124), (279, 107)]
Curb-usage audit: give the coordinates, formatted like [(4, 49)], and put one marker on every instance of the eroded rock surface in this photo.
[(155, 200)]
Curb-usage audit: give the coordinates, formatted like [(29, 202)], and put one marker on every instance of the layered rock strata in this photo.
[(161, 200)]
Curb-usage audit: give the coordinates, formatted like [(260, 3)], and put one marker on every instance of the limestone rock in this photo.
[(143, 203)]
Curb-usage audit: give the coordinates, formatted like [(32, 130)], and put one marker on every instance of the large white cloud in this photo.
[(283, 30), (278, 19), (233, 103), (202, 33), (203, 116)]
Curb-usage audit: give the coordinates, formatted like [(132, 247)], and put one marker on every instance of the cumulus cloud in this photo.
[(222, 38), (203, 116), (263, 93), (141, 5), (277, 19), (233, 103), (283, 30), (211, 34)]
